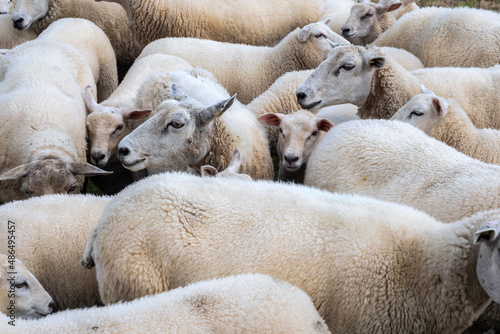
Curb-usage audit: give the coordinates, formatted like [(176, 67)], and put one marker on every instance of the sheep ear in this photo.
[(376, 62), (333, 44), (487, 233), (234, 165), (177, 94), (425, 90), (217, 109), (89, 100), (87, 169), (328, 20), (271, 119), (134, 113), (208, 170), (324, 125), (440, 106), (15, 173), (304, 33)]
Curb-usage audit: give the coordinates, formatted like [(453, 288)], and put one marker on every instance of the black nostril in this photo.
[(301, 96), (52, 306), (345, 30), (98, 157), (123, 151), (18, 23), (291, 159)]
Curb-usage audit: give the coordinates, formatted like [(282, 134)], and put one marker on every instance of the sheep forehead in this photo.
[(53, 172), (362, 8), (343, 54), (100, 121), (299, 122)]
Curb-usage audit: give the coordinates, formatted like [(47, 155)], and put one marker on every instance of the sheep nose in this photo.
[(291, 158), (52, 306), (98, 157), (18, 23), (123, 151), (300, 97), (345, 31)]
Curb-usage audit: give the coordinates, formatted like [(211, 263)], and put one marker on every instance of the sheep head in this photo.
[(176, 137), (488, 261), (344, 77), (28, 11)]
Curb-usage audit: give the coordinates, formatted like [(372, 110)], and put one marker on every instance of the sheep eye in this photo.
[(21, 285), (348, 67), (176, 125), (320, 35), (119, 127), (416, 113), (315, 133), (72, 189), (367, 15)]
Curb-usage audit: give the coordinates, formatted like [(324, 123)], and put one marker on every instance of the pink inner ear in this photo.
[(325, 125), (394, 6), (138, 114), (437, 106), (270, 119)]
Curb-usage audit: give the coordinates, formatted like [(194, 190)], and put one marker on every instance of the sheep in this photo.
[(379, 86), (111, 18), (6, 7), (394, 161), (190, 126), (446, 121), (10, 37), (231, 171), (110, 121), (51, 243), (21, 295), (299, 134), (93, 43), (260, 22), (461, 37), (368, 20), (183, 229), (338, 11), (44, 137), (249, 70), (250, 303)]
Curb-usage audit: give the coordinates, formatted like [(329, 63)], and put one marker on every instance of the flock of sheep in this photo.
[(384, 122)]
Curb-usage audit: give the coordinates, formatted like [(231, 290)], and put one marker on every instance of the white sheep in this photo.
[(249, 303), (21, 295), (299, 133), (258, 22), (10, 37), (51, 233), (379, 86), (111, 18), (446, 121), (462, 37), (43, 149), (110, 121), (394, 161), (250, 70), (194, 133), (339, 248), (368, 20), (338, 11), (95, 46)]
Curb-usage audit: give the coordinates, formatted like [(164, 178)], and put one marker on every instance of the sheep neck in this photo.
[(391, 88), (291, 55), (54, 13)]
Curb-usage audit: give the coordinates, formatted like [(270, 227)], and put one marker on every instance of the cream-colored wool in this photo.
[(446, 121), (394, 161), (358, 258), (94, 45), (258, 22), (250, 70), (250, 303), (380, 86), (110, 17), (10, 37), (51, 233), (462, 37)]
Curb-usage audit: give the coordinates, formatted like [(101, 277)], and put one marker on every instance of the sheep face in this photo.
[(344, 77), (364, 17), (107, 126), (28, 11), (31, 299), (51, 175), (488, 260), (176, 137), (5, 6), (299, 133), (423, 111), (319, 34)]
